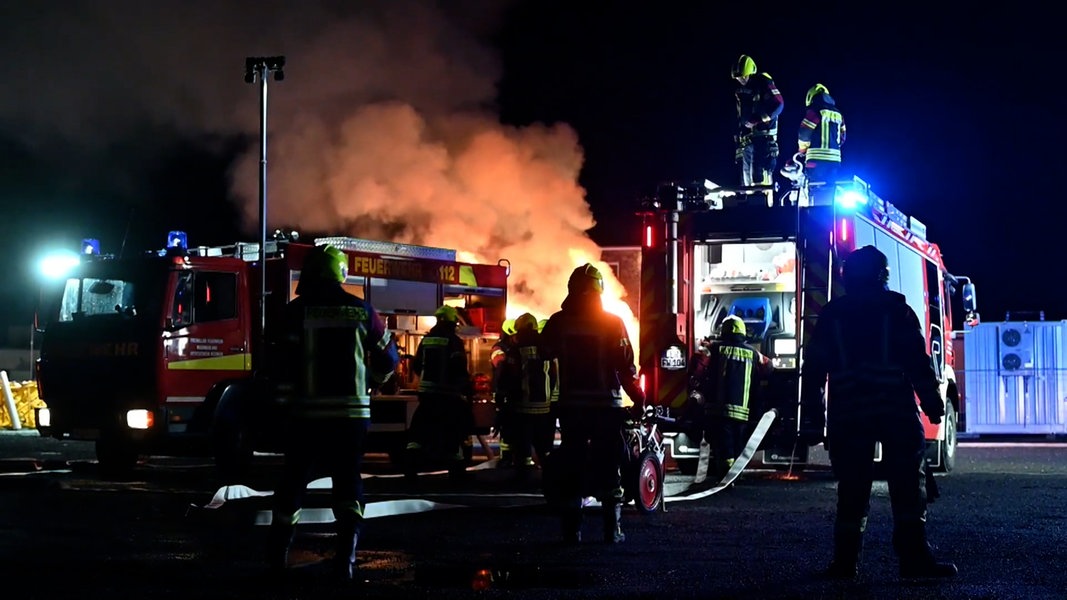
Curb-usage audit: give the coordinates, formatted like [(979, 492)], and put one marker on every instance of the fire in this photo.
[(549, 300)]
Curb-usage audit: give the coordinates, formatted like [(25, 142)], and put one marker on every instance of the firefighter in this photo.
[(332, 348), (721, 377), (758, 105), (442, 423), (595, 360), (819, 141), (530, 380), (498, 358), (868, 354)]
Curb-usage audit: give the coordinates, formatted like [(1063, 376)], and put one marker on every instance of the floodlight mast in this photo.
[(257, 68)]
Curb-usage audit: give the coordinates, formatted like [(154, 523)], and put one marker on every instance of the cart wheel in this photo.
[(649, 497)]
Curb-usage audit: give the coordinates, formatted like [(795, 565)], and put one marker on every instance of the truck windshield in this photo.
[(753, 280), (92, 297)]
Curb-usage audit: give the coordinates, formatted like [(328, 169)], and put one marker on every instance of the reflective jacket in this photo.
[(336, 348), (822, 132), (595, 358), (724, 376), (528, 378), (869, 353), (441, 362), (760, 101)]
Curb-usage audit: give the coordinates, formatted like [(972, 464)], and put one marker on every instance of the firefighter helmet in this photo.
[(525, 322), (541, 325), (866, 268), (325, 263), (508, 327), (744, 67), (732, 325), (814, 92), (584, 279), (447, 313)]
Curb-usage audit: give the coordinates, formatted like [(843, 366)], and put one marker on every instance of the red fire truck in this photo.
[(706, 255), (163, 352)]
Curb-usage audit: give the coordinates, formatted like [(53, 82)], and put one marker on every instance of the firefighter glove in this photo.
[(934, 407)]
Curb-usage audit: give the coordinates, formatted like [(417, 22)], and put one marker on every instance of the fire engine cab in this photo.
[(164, 352), (706, 254)]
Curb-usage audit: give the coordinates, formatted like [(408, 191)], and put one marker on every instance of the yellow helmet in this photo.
[(732, 324), (324, 263), (585, 278), (447, 313), (815, 90), (541, 325), (525, 322), (508, 327), (744, 67)]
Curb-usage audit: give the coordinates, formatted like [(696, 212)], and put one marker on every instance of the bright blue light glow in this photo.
[(850, 199), (59, 264), (91, 246), (177, 239)]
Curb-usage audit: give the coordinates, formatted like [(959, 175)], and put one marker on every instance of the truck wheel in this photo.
[(649, 496), (117, 457), (948, 446), (233, 451)]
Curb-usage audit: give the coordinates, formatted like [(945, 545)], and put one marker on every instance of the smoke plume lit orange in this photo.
[(424, 167)]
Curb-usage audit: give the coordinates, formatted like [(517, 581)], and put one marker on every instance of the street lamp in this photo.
[(256, 69), (52, 267)]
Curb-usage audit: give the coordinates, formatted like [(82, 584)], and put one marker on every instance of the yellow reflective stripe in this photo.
[(808, 124), (231, 362), (466, 276), (828, 154)]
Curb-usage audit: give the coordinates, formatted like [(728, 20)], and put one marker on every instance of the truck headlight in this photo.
[(140, 419), (44, 417)]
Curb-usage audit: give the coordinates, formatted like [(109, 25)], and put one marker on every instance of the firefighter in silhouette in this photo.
[(596, 362), (499, 359), (721, 377), (331, 349), (529, 380), (865, 363), (442, 424)]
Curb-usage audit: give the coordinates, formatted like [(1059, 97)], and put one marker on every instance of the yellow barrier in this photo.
[(26, 399)]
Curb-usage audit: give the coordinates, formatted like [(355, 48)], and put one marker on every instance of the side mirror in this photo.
[(970, 304)]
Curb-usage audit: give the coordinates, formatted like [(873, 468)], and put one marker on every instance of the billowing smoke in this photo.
[(385, 125)]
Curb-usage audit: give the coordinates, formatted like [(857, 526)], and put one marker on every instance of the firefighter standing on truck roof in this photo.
[(819, 141), (721, 378), (758, 105), (596, 361), (529, 380), (443, 420), (331, 349), (869, 352)]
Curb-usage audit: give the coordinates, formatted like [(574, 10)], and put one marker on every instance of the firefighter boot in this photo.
[(345, 548), (916, 557), (848, 545), (612, 523), (571, 522)]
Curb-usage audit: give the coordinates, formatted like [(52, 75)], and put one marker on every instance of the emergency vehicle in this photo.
[(164, 352), (707, 254)]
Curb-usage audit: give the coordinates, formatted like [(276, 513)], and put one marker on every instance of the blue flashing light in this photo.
[(177, 239), (849, 198), (91, 246)]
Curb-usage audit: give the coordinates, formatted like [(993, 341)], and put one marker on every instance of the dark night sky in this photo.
[(127, 119)]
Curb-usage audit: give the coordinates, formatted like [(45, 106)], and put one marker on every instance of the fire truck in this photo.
[(164, 353), (706, 253)]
